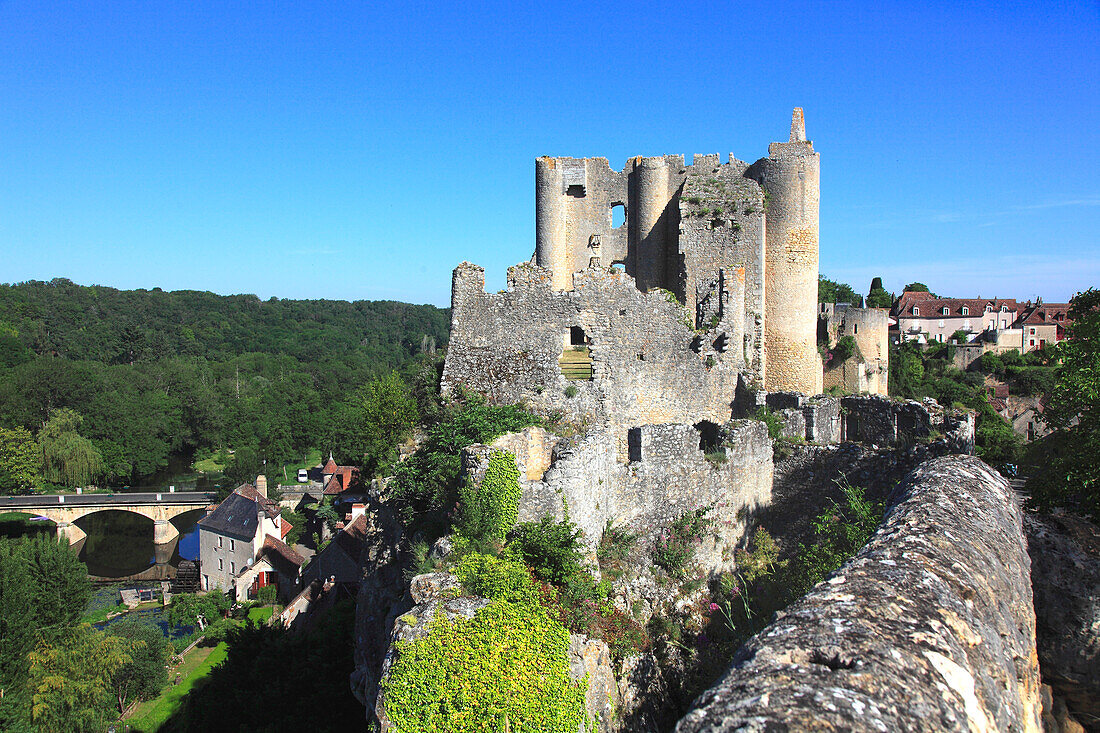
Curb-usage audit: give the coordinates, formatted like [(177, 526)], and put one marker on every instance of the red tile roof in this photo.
[(1046, 313), (931, 307), (330, 467), (283, 550), (340, 480)]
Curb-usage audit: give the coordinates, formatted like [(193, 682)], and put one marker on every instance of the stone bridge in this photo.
[(65, 509)]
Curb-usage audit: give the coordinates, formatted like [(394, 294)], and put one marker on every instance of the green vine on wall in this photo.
[(489, 509)]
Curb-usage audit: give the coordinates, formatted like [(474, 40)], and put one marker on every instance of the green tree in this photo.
[(17, 627), (877, 297), (916, 288), (145, 674), (1066, 464), (19, 460), (71, 674), (187, 608), (61, 589), (376, 419), (67, 457), (830, 291)]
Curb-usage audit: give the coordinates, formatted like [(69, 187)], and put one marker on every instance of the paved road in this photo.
[(197, 498)]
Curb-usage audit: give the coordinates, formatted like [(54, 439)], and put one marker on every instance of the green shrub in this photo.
[(494, 578), (676, 545), (506, 668), (267, 594), (489, 509), (839, 533), (615, 544), (425, 486), (571, 391), (551, 549), (773, 421)]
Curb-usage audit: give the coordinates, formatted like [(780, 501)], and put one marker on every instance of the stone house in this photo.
[(240, 530), (1043, 323)]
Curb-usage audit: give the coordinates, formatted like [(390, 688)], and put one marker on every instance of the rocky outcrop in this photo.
[(929, 627), (380, 600), (439, 594), (1065, 579)]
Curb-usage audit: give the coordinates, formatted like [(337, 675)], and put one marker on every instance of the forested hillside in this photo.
[(121, 381)]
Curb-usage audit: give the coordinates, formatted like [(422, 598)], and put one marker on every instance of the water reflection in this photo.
[(120, 545)]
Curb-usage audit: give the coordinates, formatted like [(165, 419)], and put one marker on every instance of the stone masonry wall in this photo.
[(666, 476), (507, 345), (930, 627)]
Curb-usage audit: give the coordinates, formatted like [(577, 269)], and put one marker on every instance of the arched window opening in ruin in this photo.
[(855, 328), (576, 191), (577, 336), (618, 215), (618, 266)]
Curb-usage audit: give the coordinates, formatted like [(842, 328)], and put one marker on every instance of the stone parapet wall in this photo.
[(930, 627)]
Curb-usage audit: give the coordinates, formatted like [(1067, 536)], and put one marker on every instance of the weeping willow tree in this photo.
[(68, 458)]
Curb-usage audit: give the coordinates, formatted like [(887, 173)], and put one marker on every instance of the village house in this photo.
[(333, 573), (336, 480), (924, 318), (241, 547), (1043, 323)]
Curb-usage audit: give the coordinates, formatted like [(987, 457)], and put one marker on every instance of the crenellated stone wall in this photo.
[(930, 627)]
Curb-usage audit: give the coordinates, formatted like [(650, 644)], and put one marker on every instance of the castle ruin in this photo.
[(708, 284)]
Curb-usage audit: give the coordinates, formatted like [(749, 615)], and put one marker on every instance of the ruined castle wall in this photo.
[(574, 199), (870, 370), (721, 242), (930, 627), (666, 475), (506, 345)]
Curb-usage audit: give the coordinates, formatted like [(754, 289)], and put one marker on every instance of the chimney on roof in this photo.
[(798, 126), (261, 485)]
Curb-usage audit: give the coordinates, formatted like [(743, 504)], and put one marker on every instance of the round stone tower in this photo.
[(551, 237), (790, 178)]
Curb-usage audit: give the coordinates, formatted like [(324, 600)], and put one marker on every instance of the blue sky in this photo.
[(353, 150)]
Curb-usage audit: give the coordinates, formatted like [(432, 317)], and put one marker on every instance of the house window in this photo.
[(916, 310), (206, 582), (966, 311), (945, 310), (1004, 324), (941, 323), (1031, 331), (221, 563), (219, 542), (1004, 309), (232, 568), (232, 545), (989, 309), (855, 328), (1031, 342)]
